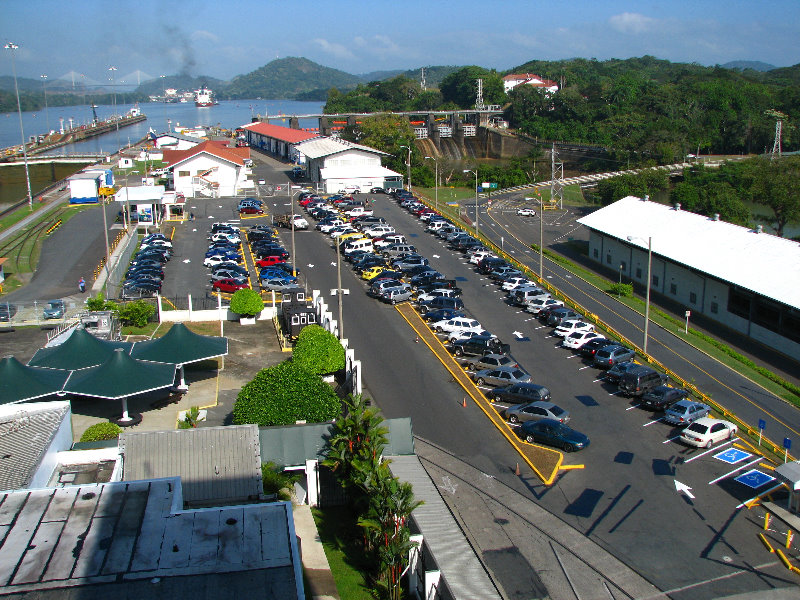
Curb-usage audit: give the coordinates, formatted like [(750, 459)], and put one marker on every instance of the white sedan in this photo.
[(466, 335), (526, 212), (571, 326), (537, 305), (706, 432), (516, 282), (457, 324), (578, 338), (215, 261)]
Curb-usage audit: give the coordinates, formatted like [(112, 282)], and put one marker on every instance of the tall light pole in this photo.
[(114, 86), (163, 77), (408, 165), (13, 48), (476, 197), (649, 280), (435, 181), (46, 112), (541, 235)]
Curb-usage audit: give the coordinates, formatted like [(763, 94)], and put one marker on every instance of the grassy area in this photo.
[(19, 214), (342, 544)]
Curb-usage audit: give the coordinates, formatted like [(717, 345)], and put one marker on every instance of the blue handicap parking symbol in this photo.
[(754, 479), (732, 456)]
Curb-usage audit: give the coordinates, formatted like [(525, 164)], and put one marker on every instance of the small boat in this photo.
[(203, 97)]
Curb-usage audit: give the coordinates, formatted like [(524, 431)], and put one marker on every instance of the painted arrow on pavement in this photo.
[(518, 335), (683, 488)]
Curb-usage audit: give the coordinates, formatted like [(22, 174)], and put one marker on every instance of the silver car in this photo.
[(491, 361), (501, 376), (535, 411), (685, 412)]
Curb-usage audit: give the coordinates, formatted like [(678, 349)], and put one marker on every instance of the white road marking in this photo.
[(667, 441), (586, 367), (682, 488), (654, 421), (631, 407), (729, 473), (187, 261), (573, 356), (708, 451), (310, 266)]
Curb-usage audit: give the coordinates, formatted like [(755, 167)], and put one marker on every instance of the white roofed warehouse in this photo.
[(743, 278)]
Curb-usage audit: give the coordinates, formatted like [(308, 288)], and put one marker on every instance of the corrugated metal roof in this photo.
[(26, 432), (325, 146), (215, 464), (357, 171), (762, 263), (285, 134), (461, 569)]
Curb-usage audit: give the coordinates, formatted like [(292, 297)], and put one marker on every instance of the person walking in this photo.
[(82, 285)]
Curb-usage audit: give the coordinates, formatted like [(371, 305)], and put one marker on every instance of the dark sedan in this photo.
[(662, 397), (553, 433)]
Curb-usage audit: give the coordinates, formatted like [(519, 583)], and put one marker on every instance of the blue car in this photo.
[(270, 272), (553, 433)]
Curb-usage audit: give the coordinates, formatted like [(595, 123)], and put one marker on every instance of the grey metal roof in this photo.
[(26, 432), (215, 464), (762, 263), (789, 473), (460, 568), (293, 445), (325, 146), (119, 532)]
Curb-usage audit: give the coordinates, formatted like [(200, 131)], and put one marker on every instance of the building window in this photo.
[(595, 253), (673, 289), (790, 325), (714, 307), (739, 303), (655, 280), (608, 258), (767, 314), (183, 173), (638, 272), (692, 298)]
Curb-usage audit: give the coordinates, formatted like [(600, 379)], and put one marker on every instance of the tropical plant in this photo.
[(101, 431), (284, 394), (275, 480), (246, 302), (136, 313), (318, 350), (190, 419)]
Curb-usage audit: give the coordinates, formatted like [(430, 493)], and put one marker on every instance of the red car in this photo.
[(251, 210), (269, 260), (228, 285)]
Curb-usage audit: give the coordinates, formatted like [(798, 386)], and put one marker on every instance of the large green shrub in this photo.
[(101, 431), (136, 313), (283, 394), (246, 302), (318, 350)]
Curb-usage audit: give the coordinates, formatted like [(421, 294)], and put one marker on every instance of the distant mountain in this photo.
[(287, 78), (755, 65), (379, 75)]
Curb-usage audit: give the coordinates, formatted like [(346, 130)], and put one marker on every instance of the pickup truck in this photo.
[(359, 211), (286, 221), (478, 346)]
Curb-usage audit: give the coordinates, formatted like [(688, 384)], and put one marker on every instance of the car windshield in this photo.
[(697, 428), (557, 410), (517, 373)]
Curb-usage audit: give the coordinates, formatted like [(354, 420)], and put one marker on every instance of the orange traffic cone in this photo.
[(516, 471), (464, 402)]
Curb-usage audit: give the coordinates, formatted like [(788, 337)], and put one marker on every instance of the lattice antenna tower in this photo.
[(556, 179), (779, 119), (479, 105), (422, 84)]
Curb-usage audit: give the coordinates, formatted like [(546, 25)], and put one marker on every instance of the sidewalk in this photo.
[(316, 570)]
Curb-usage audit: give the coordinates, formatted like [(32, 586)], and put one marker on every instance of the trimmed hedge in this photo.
[(283, 394), (318, 350), (246, 302), (101, 431)]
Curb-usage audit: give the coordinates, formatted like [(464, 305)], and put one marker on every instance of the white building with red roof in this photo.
[(513, 80), (209, 169), (277, 140)]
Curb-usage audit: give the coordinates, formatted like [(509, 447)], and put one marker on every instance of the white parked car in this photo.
[(706, 432), (437, 293), (571, 326), (215, 261), (328, 227), (341, 230), (222, 236), (537, 305), (516, 282), (478, 256), (457, 324), (576, 339), (388, 240), (379, 230), (526, 212), (457, 336)]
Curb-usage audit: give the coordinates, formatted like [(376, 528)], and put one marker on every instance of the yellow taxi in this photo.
[(373, 272)]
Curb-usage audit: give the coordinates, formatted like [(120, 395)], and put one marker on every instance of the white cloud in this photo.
[(334, 49), (631, 23)]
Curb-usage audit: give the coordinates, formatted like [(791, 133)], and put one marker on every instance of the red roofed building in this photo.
[(277, 140), (209, 169), (515, 79)]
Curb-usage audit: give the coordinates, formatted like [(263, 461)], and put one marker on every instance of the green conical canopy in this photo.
[(18, 382), (180, 346), (119, 377), (79, 351)]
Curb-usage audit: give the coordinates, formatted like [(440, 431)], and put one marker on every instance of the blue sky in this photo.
[(223, 38)]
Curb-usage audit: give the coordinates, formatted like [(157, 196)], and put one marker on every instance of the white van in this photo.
[(364, 244), (436, 225)]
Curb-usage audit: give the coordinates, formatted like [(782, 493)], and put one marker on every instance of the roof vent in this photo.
[(759, 229), (677, 206), (715, 217)]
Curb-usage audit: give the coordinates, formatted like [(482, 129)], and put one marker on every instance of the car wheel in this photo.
[(709, 444), (514, 419), (439, 330), (529, 439), (567, 447), (459, 352), (480, 381), (730, 434)]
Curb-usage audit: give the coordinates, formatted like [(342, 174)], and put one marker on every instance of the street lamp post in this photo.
[(476, 197), (114, 86), (13, 48), (163, 77), (435, 181), (408, 165), (46, 112), (649, 280)]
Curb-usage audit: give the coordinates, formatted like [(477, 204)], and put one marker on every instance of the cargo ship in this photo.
[(203, 97)]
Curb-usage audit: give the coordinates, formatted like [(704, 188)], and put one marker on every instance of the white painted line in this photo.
[(770, 490), (630, 407), (667, 441), (651, 422), (586, 367), (729, 473), (708, 451), (574, 356), (601, 379)]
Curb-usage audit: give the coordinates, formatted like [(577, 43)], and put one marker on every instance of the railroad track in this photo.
[(22, 247)]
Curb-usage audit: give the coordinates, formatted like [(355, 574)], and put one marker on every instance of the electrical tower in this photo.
[(779, 119), (479, 105), (422, 78), (556, 180)]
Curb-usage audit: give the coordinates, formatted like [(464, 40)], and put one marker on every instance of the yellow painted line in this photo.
[(570, 467), (783, 559), (766, 466), (472, 390), (766, 543)]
